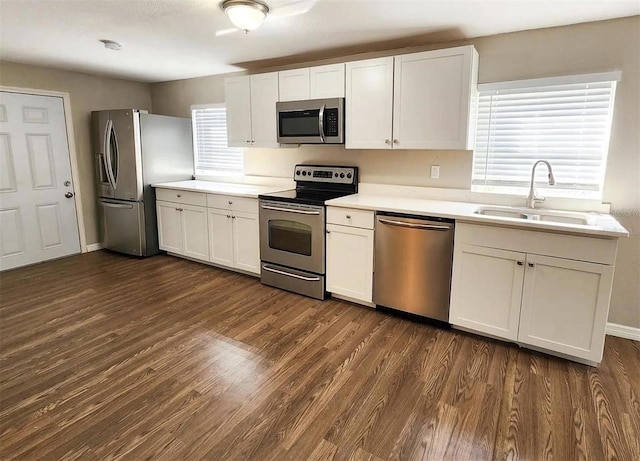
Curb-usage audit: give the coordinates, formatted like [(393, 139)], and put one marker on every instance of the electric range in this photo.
[(292, 228)]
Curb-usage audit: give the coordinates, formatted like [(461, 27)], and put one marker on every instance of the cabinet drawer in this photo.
[(181, 196), (349, 217), (230, 202)]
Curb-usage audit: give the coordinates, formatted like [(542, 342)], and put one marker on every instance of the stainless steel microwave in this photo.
[(314, 121)]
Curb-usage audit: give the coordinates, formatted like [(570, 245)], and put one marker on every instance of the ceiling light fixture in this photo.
[(111, 45), (245, 14)]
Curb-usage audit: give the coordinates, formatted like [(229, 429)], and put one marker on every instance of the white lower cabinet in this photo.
[(220, 237), (182, 229), (553, 294), (234, 239), (565, 305), (246, 242), (487, 290), (350, 253), (226, 234)]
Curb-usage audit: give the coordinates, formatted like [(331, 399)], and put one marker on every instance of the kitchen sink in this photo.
[(532, 214)]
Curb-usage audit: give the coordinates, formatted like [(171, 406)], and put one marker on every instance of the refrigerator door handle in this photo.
[(115, 205), (107, 153)]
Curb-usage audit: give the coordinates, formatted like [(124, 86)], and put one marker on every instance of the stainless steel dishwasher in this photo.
[(413, 258)]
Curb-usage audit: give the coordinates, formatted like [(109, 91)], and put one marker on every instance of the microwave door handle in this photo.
[(321, 123)]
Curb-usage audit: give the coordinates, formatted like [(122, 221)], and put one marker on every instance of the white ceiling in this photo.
[(174, 39)]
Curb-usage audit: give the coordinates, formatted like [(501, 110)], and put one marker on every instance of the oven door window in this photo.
[(290, 236), (299, 123)]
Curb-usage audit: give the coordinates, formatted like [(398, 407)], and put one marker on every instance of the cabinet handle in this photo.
[(386, 141), (248, 141), (348, 216), (178, 195), (531, 265), (178, 209), (328, 231), (230, 202), (520, 263), (228, 216), (395, 141), (233, 217)]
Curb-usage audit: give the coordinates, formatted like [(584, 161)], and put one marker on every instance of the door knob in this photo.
[(67, 183), (69, 194)]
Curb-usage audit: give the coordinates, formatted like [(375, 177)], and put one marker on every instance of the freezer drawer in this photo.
[(413, 259), (123, 226)]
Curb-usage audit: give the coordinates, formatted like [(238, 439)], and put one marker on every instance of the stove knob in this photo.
[(342, 175), (298, 173), (335, 175), (304, 173), (349, 175)]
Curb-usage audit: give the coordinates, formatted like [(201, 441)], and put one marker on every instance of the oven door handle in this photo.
[(289, 210), (295, 276)]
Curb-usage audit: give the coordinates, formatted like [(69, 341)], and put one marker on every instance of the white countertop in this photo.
[(225, 188), (603, 226)]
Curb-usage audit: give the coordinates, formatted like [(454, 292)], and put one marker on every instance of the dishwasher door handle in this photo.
[(414, 226)]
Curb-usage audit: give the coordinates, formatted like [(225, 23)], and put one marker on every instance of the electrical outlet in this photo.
[(435, 171)]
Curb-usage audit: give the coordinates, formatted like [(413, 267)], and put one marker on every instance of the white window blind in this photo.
[(565, 120), (212, 155)]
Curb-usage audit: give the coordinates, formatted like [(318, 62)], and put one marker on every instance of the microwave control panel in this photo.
[(327, 174), (331, 122)]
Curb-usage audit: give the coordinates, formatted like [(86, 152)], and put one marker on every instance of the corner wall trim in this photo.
[(623, 331), (94, 247)]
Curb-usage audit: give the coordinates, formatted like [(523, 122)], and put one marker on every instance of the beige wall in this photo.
[(584, 48), (87, 93)]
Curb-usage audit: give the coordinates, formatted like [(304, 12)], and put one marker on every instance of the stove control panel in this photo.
[(326, 174)]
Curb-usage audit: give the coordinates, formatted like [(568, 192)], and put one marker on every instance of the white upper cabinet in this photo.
[(369, 104), (327, 81), (318, 82), (237, 94), (413, 101), (264, 95), (432, 99), (294, 84), (251, 110)]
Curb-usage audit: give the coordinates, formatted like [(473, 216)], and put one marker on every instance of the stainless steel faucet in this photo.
[(532, 199)]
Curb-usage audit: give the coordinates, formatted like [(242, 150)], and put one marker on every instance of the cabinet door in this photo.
[(169, 227), (220, 237), (264, 95), (350, 262), (195, 232), (369, 104), (486, 290), (327, 81), (293, 84), (432, 99), (565, 305), (246, 242), (237, 95)]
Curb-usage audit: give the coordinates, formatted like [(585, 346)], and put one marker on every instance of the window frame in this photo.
[(613, 77), (211, 172)]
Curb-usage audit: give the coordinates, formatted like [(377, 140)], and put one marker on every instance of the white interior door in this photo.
[(37, 210)]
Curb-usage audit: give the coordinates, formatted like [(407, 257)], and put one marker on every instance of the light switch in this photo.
[(435, 171)]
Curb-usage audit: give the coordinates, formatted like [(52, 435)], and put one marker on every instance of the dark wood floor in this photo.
[(108, 357)]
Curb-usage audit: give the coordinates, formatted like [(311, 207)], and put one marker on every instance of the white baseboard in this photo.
[(94, 247), (623, 331)]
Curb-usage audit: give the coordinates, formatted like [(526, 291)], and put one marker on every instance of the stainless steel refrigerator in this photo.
[(133, 150)]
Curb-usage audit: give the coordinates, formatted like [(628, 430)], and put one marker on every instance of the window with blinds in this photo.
[(564, 120), (212, 155)]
